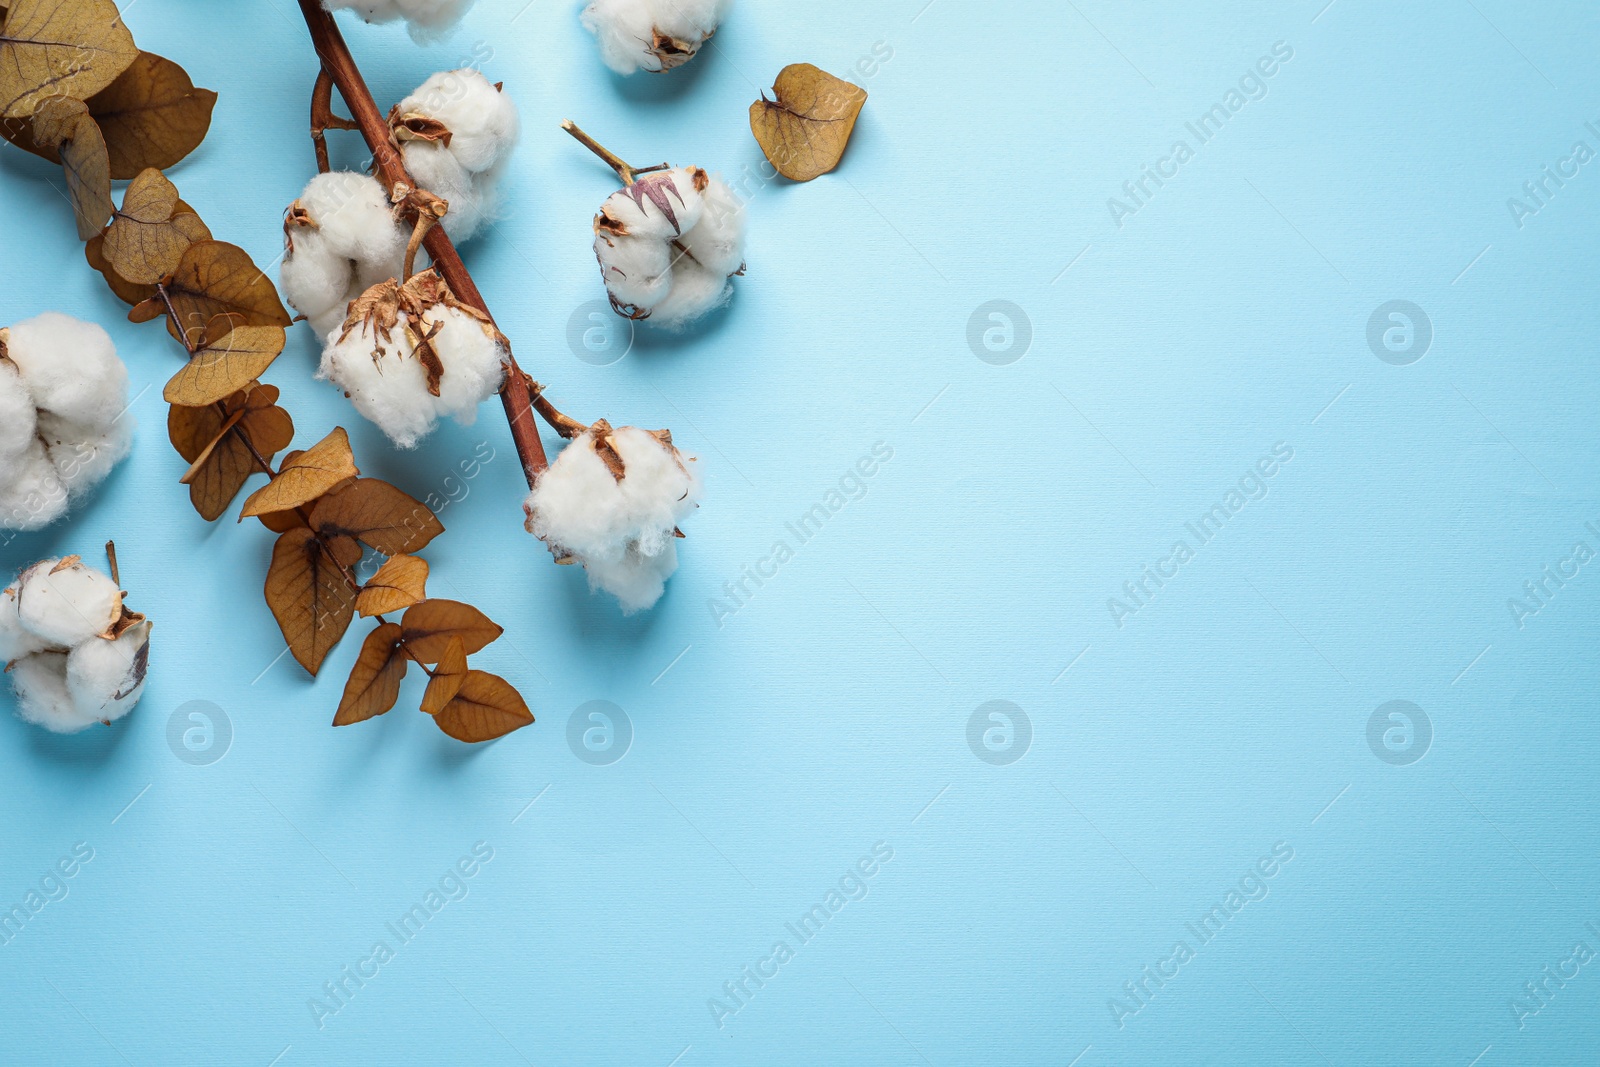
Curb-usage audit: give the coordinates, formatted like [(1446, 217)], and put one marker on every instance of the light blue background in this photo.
[(830, 712)]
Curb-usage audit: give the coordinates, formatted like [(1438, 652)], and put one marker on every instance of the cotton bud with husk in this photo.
[(340, 238), (652, 35), (75, 653), (612, 502), (408, 355), (456, 133)]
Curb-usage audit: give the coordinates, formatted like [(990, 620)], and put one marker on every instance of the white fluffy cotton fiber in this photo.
[(75, 656), (669, 246), (457, 131), (426, 20), (652, 35), (384, 374), (340, 238), (612, 501), (63, 416)]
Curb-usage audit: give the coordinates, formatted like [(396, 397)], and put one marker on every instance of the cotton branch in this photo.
[(340, 68)]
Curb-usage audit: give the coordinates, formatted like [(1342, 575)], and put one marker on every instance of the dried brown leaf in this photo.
[(148, 235), (216, 278), (804, 131), (447, 678), (126, 291), (65, 125), (230, 463), (374, 683), (379, 514), (221, 369), (486, 707), (72, 48), (307, 476), (309, 597), (152, 115), (401, 582), (430, 625)]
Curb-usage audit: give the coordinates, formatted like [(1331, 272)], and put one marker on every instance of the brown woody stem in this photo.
[(341, 70), (111, 557)]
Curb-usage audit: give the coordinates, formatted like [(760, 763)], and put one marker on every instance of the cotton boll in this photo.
[(474, 364), (667, 245), (426, 20), (622, 529), (40, 681), (353, 213), (340, 238), (384, 379), (65, 602), (71, 368), (31, 493), (652, 35), (105, 678), (482, 120)]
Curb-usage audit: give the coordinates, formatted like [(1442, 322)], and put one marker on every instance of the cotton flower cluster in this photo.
[(669, 245), (410, 355), (612, 501), (76, 655), (63, 416), (456, 134), (340, 239), (425, 19), (652, 35)]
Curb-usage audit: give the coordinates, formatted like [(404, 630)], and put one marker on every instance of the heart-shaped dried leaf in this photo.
[(126, 291), (309, 597), (447, 678), (401, 582), (64, 125), (804, 131), (148, 235), (486, 707), (216, 278), (378, 514), (306, 477), (430, 625), (152, 115), (374, 683), (71, 48), (221, 369), (255, 420)]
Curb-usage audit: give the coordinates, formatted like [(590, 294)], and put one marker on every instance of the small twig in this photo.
[(565, 425), (111, 557), (625, 172), (323, 119), (172, 316)]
